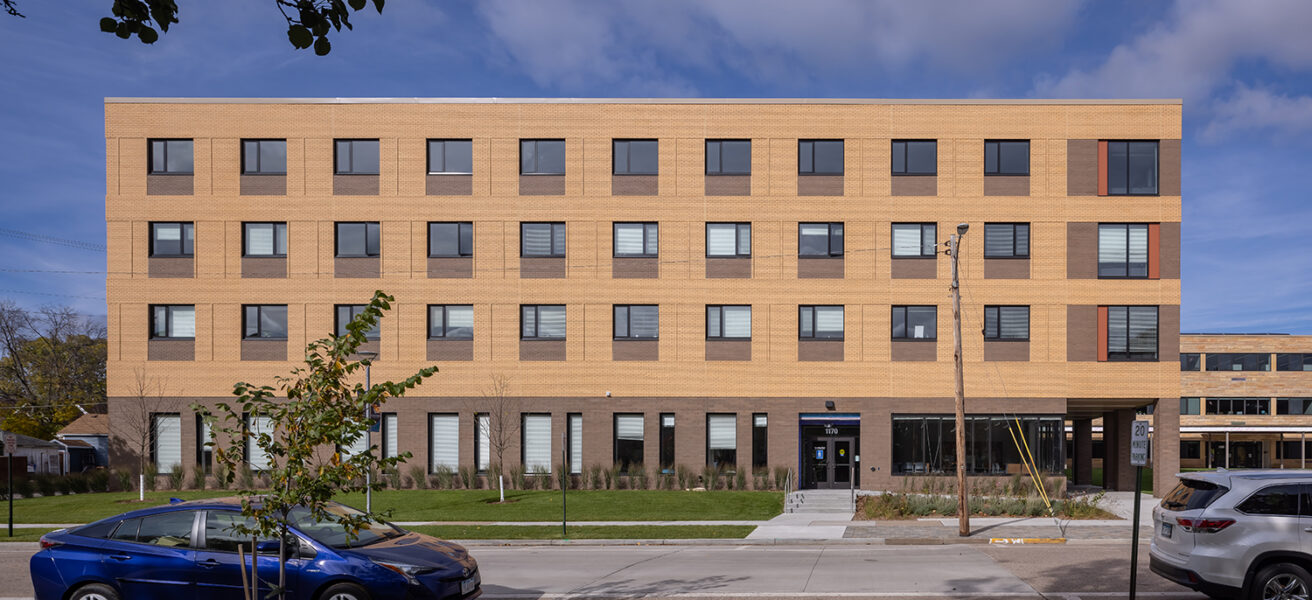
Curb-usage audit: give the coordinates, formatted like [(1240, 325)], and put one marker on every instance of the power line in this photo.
[(48, 239), (4, 291)]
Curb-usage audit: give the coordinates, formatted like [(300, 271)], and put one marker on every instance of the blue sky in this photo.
[(1243, 68)]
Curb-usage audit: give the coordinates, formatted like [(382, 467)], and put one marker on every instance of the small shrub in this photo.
[(608, 476), (198, 478), (443, 478), (467, 477), (1035, 507), (393, 477), (517, 477), (594, 477), (494, 477), (711, 477), (246, 478), (684, 476), (637, 476), (62, 485), (221, 476), (418, 477), (124, 479), (98, 480), (563, 479), (25, 487), (78, 483), (177, 477), (740, 479), (152, 474), (44, 484)]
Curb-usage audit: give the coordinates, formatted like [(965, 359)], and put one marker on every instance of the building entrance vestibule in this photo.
[(829, 455)]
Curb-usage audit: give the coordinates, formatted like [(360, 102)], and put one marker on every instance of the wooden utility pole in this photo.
[(963, 501)]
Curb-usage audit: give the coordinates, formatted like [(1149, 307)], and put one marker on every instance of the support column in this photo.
[(1082, 461), (1110, 440), (1166, 445), (1124, 472)]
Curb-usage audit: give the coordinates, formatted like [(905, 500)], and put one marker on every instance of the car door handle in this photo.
[(120, 557), (1308, 529), (209, 563)]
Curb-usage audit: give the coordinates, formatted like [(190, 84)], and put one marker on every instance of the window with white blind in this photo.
[(443, 441), (820, 322), (722, 440), (637, 321), (256, 458), (636, 240), (542, 321), (728, 240), (628, 440), (914, 240), (1123, 250), (542, 239), (575, 425), (1006, 240), (204, 454), (172, 239), (915, 322), (358, 446), (389, 435), (1007, 323), (451, 321), (728, 322), (1131, 333), (819, 239), (535, 449), (173, 321), (264, 239), (166, 444), (482, 441)]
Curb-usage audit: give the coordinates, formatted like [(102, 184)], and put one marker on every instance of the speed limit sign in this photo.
[(1139, 444), (11, 443)]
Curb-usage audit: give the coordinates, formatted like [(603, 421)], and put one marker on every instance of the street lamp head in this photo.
[(367, 354), (962, 227)]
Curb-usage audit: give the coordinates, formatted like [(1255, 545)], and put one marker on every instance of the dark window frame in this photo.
[(737, 239), (997, 162), (831, 237), (1213, 362), (646, 237), (446, 322), (369, 226), (628, 326), (552, 233), (760, 441), (729, 466), (351, 145), (339, 326), (1191, 405), (259, 152), (1015, 249), (815, 333), (168, 321), (720, 334), (259, 314), (906, 336), (719, 150), (150, 156), (811, 149), (204, 454), (1148, 257), (614, 152), (276, 229), (615, 438), (461, 250), (905, 172), (537, 322), (1246, 405), (183, 228), (666, 440), (1285, 404), (933, 254), (428, 156), (1128, 355), (997, 319), (535, 141), (1157, 167), (1294, 362), (1194, 358)]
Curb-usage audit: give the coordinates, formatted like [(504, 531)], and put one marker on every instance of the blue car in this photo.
[(189, 550)]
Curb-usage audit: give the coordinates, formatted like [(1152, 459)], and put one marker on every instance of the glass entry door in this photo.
[(830, 462)]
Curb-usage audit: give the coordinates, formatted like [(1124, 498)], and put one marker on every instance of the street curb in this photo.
[(790, 542)]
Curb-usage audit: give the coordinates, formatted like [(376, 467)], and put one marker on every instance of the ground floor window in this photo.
[(722, 441), (482, 441), (256, 458), (166, 441), (389, 435), (628, 440), (443, 442), (536, 444), (575, 426), (759, 440), (1289, 450), (926, 445), (204, 453), (667, 443), (1190, 449)]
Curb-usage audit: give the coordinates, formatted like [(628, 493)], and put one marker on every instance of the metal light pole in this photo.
[(963, 501), (369, 356)]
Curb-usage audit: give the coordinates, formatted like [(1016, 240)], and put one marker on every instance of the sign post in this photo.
[(11, 446), (1138, 458)]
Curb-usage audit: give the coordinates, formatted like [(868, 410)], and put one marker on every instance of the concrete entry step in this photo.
[(820, 502)]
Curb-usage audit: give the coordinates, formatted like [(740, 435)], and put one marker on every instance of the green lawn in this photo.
[(25, 534), (458, 505), (585, 532), (1147, 478)]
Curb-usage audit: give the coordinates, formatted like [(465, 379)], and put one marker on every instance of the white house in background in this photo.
[(43, 458), (87, 439)]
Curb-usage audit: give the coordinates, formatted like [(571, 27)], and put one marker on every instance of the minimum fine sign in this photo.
[(11, 444), (1139, 444)]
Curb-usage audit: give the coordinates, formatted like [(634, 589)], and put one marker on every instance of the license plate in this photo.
[(469, 585), (1166, 529)]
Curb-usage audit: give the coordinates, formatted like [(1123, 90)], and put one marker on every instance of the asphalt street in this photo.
[(1070, 572)]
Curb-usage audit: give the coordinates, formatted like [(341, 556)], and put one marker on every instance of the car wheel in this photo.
[(94, 591), (1284, 581), (344, 591)]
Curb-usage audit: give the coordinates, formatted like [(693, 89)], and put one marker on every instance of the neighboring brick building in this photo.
[(749, 282)]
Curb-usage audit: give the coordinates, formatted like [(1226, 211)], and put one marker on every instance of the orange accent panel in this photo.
[(1102, 167), (1102, 334), (1154, 250)]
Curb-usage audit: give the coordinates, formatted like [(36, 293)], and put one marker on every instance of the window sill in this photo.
[(724, 257), (450, 339), (245, 174), (174, 339), (522, 174), (819, 339), (173, 256), (635, 256), (450, 256), (1006, 174), (818, 256), (541, 339), (634, 174), (915, 174), (987, 339), (171, 174), (636, 339), (728, 339), (908, 339), (356, 174), (450, 173), (838, 174), (263, 339), (729, 174), (356, 256), (895, 257), (1006, 257)]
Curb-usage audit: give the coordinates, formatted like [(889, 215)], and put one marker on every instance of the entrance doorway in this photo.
[(829, 450), (1243, 455)]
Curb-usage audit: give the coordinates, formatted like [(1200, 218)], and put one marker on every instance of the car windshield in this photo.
[(1191, 494), (334, 535)]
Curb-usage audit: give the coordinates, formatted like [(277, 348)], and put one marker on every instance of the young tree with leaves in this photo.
[(322, 409)]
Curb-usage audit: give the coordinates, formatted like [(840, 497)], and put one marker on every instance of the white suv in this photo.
[(1245, 534)]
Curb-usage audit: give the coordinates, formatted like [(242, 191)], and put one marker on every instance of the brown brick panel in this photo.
[(357, 267), (542, 267), (1082, 333), (914, 185), (635, 268), (169, 185), (626, 350), (1007, 351), (1081, 167), (355, 185), (1006, 268), (449, 185), (914, 268), (728, 268), (263, 267), (913, 350), (1006, 185), (1168, 333), (634, 185), (450, 267), (819, 185), (728, 185), (172, 266), (541, 185), (1168, 183), (820, 350), (820, 268), (368, 346), (264, 350), (450, 350), (542, 350), (163, 349), (1169, 253), (264, 185), (728, 350), (1081, 250)]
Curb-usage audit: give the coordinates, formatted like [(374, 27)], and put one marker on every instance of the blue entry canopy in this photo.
[(830, 418)]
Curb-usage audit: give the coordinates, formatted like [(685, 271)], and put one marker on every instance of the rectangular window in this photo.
[(172, 239), (542, 239), (1238, 406), (256, 458), (1007, 323), (1293, 362), (628, 440), (356, 157), (728, 157), (204, 453), (264, 321), (171, 157), (634, 157), (443, 441), (819, 240), (915, 322), (574, 422), (820, 322), (924, 445), (667, 443), (346, 313), (1294, 406), (450, 240), (264, 157), (1190, 406), (535, 449), (637, 321), (451, 321), (1189, 361), (450, 157), (173, 321), (728, 240), (356, 447), (1006, 240), (166, 441), (483, 441), (264, 239), (722, 441), (728, 322), (915, 157), (1132, 168), (389, 433), (1250, 361), (1190, 449), (636, 240), (542, 321), (1123, 250), (355, 240), (819, 157), (542, 157), (760, 441), (1131, 333), (915, 240), (1006, 157)]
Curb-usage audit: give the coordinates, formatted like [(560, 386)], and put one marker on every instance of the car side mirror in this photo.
[(267, 546)]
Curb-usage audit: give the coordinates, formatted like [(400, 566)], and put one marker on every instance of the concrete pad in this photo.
[(798, 532)]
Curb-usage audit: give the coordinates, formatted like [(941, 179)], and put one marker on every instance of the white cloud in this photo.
[(1259, 109)]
